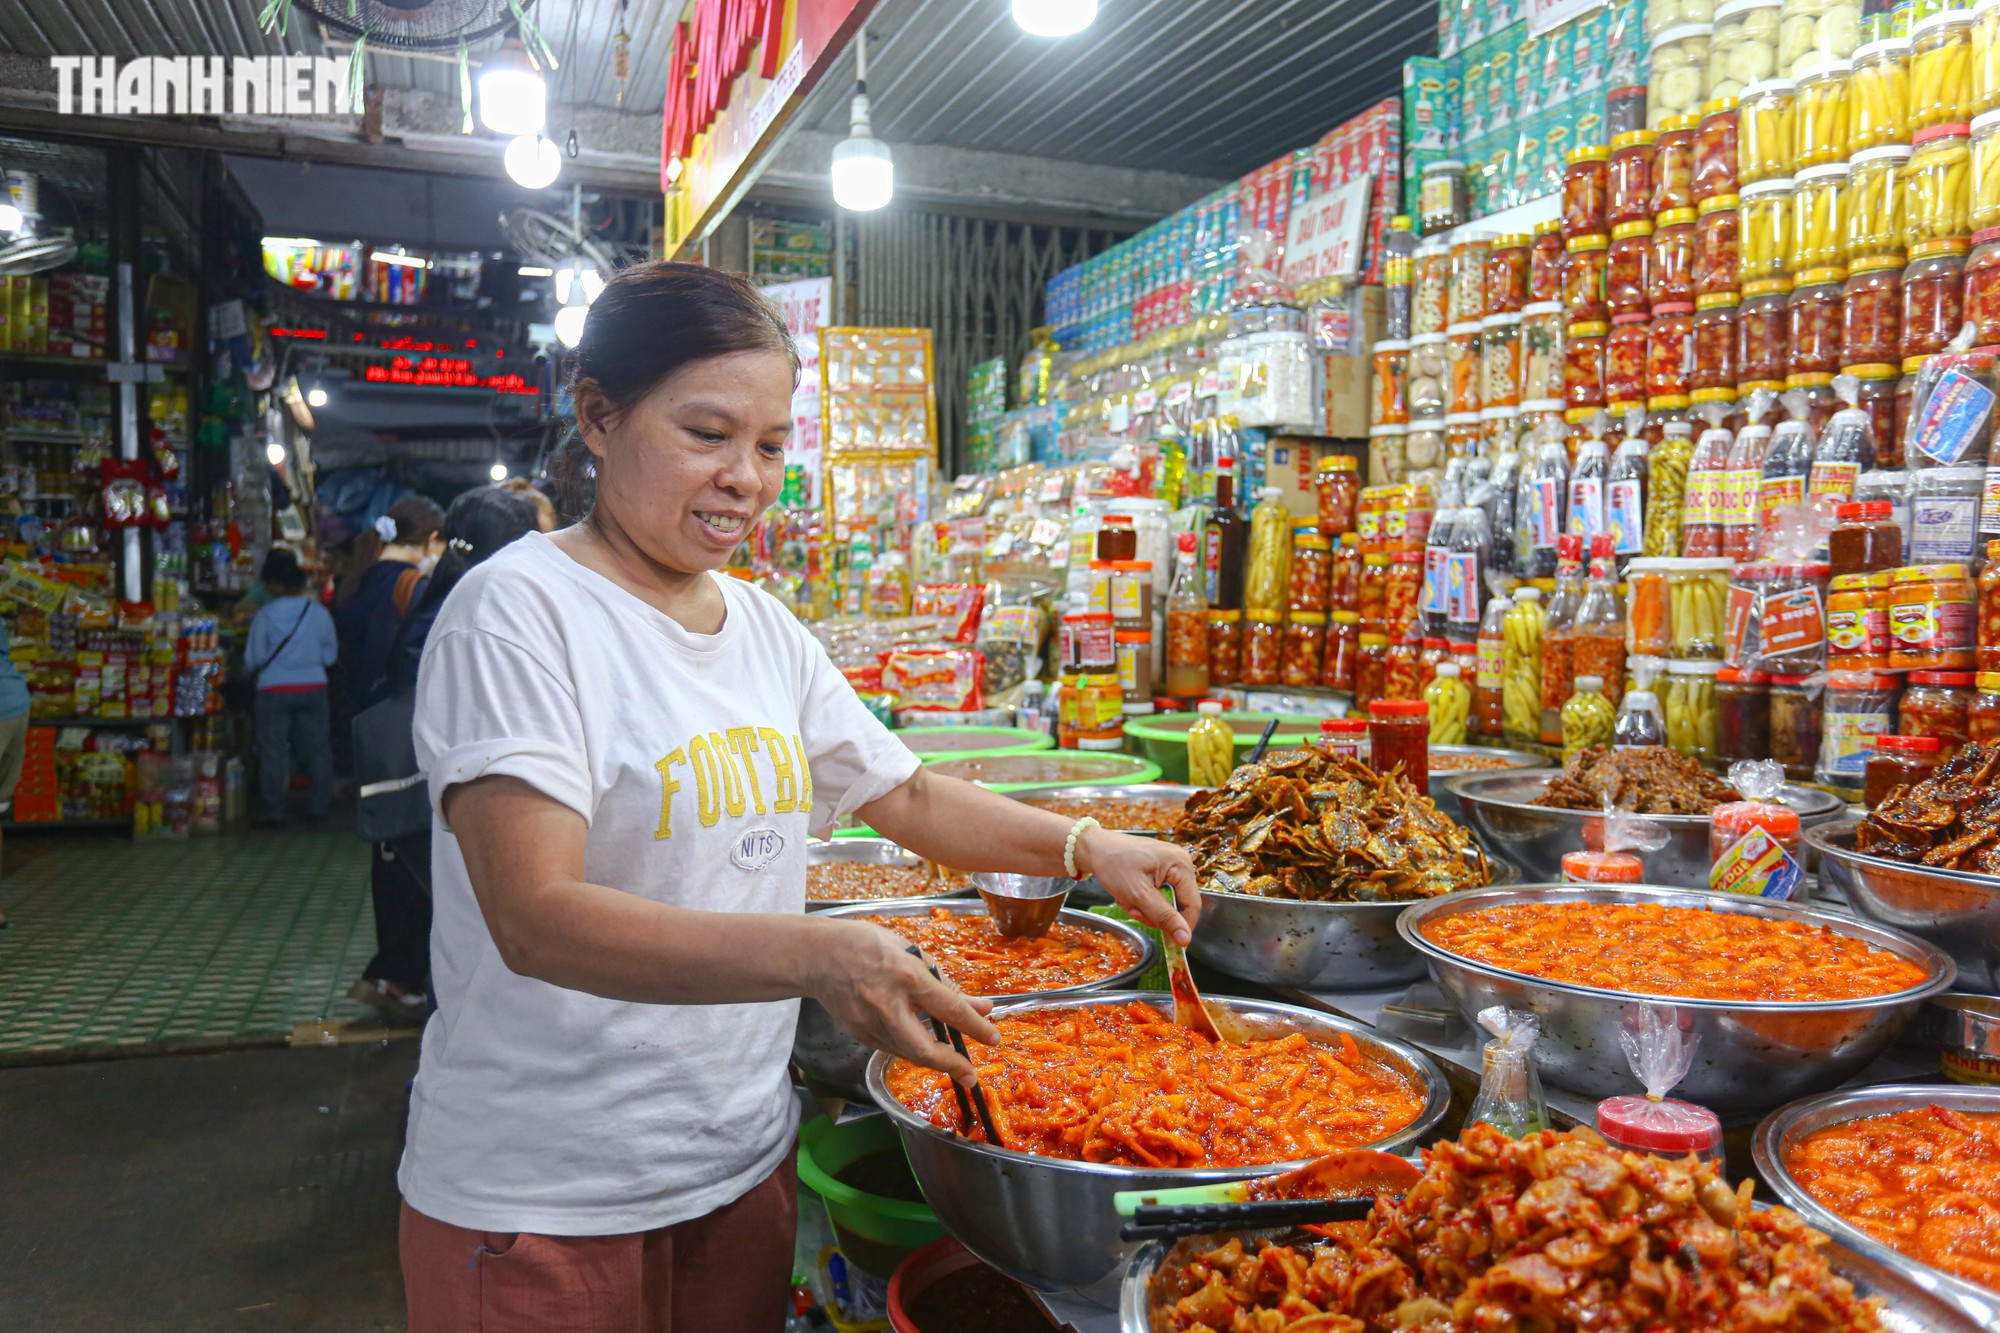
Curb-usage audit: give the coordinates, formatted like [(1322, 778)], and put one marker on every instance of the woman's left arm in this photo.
[(966, 827)]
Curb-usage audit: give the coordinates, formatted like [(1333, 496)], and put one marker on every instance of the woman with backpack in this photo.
[(371, 615)]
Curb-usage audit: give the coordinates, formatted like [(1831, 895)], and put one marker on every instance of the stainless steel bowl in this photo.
[(832, 1059), (1314, 946), (1909, 1304), (1782, 1130), (874, 852), (1441, 795), (1957, 910), (1048, 1222), (1499, 809), (1751, 1056), (1088, 891)]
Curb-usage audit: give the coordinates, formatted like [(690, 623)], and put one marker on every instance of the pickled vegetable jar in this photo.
[(1819, 116), (1810, 31), (1500, 350), (1715, 150), (1932, 619), (1337, 490), (1664, 14), (1343, 647), (1982, 721), (1897, 761), (1625, 360), (1263, 646), (1988, 633), (1941, 70), (1876, 395), (1875, 205), (1871, 306), (1984, 210), (1462, 356), (1679, 74), (1937, 187), (1816, 388), (1764, 212), (1371, 667), (1742, 49), (1429, 391), (1815, 323), (1938, 704), (1584, 185), (1670, 351), (1795, 725), (1625, 269), (1545, 263), (1583, 364), (1392, 373), (1404, 592), (1716, 250), (1583, 277), (1819, 228), (1430, 299), (1743, 701), (1225, 647), (1304, 650), (1542, 326), (1878, 94), (1310, 581), (1982, 286), (1763, 324), (1462, 433), (1443, 197), (1469, 252), (1670, 274), (1673, 166), (1628, 181), (1715, 344), (1373, 603), (1986, 56), (1399, 669), (1508, 267), (1689, 701), (1933, 297)]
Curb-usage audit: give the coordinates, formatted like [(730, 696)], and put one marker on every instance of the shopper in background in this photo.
[(370, 615), (292, 643), (13, 730), (627, 750), (397, 979), (545, 510)]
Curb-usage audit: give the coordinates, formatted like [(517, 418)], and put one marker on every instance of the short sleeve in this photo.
[(487, 707), (854, 758)]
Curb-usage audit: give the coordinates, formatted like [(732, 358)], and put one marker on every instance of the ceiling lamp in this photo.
[(1054, 18), (11, 219), (864, 175), (569, 324), (498, 472), (316, 396), (513, 97), (532, 162)]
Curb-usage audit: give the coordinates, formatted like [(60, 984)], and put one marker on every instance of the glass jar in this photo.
[(1304, 650), (1309, 581), (1429, 390), (1819, 117), (1679, 74), (1430, 287), (1628, 181), (1648, 623), (1898, 761), (1583, 364), (1763, 330), (1545, 263), (1875, 201), (1988, 634), (1764, 212), (1814, 30), (1337, 492), (1938, 704), (1984, 210), (1442, 200), (1225, 647), (1464, 367), (1866, 539), (1507, 265), (1263, 646), (1875, 394), (1542, 343), (1374, 593), (1715, 343), (1423, 442), (1743, 714), (1871, 313), (1878, 95), (1391, 379), (1937, 190), (1670, 351), (1819, 224), (1583, 277), (1343, 650), (1625, 269), (1689, 701), (1764, 138), (1469, 252), (1673, 166), (1399, 670), (1715, 150), (1933, 297), (1860, 705), (1982, 723), (1743, 48), (1462, 433), (1625, 360), (1941, 70), (1717, 260), (1698, 592), (1795, 725), (1986, 56), (1584, 186), (1932, 619), (1814, 323), (1371, 667), (1404, 593), (1857, 622), (1981, 292)]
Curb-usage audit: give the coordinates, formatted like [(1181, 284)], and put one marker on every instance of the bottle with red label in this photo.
[(1702, 503), (1781, 487), (1845, 450)]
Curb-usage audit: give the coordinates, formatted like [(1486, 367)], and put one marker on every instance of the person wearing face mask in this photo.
[(626, 751), (369, 615)]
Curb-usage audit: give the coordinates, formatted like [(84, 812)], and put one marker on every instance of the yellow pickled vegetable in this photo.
[(1941, 71), (1451, 706), (1875, 201), (1521, 667), (1691, 713), (1937, 190), (1269, 563), (1211, 748), (1764, 228), (1819, 117), (1698, 606), (1764, 143), (1986, 59), (1878, 96), (1819, 229), (1668, 487), (1986, 170), (1587, 719)]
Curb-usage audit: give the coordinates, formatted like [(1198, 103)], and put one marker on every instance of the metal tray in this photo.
[(1957, 910), (871, 851)]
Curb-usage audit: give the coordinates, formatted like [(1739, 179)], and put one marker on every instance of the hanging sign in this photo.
[(1325, 234)]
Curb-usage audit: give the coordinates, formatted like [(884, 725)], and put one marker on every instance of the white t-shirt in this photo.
[(699, 762)]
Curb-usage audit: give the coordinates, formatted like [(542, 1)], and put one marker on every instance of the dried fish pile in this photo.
[(1950, 821), (1651, 780), (1314, 826)]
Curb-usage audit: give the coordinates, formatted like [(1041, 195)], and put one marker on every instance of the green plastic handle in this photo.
[(1127, 1202)]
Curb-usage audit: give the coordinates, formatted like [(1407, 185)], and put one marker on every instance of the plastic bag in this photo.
[(947, 680), (1753, 844), (1612, 845), (1510, 1090), (1660, 1055), (959, 603), (1640, 720)]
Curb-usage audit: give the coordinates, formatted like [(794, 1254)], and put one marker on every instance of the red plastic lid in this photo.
[(1673, 308), (1408, 557), (1397, 708), (1435, 643), (1666, 1126), (1856, 512), (1341, 726), (1465, 647), (1939, 132), (1908, 744), (1569, 546), (1630, 319), (1185, 541), (1989, 234), (1740, 676), (1603, 867), (1789, 680), (1739, 817), (1941, 677)]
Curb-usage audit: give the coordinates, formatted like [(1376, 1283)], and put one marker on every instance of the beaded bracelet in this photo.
[(1076, 831)]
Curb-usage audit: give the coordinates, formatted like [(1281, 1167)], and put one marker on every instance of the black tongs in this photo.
[(947, 1033)]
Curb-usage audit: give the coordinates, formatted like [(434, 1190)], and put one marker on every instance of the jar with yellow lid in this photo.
[(1764, 134), (1933, 297), (1816, 388), (1819, 227), (1878, 95), (1941, 70), (1716, 246), (1815, 322), (1263, 646), (1625, 268), (1871, 312), (1937, 186), (1715, 149), (1500, 353), (1714, 342), (1509, 268), (1583, 277), (1932, 620), (1673, 166), (1986, 56), (1819, 117), (1679, 73), (1810, 30), (1584, 186), (1985, 156), (1743, 48), (1875, 200), (1764, 219), (1628, 180), (1545, 262), (1857, 622)]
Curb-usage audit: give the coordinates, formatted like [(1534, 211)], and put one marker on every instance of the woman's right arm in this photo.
[(524, 852)]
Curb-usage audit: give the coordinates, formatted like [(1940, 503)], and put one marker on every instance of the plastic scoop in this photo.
[(1024, 906), (1190, 1010)]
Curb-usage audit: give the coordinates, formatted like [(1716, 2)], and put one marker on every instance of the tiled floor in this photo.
[(115, 944)]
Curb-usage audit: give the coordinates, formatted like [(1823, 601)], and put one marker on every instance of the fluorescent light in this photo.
[(1054, 18), (275, 452), (569, 324), (534, 271), (532, 161), (406, 261), (290, 243), (315, 397), (498, 472), (593, 283), (513, 99)]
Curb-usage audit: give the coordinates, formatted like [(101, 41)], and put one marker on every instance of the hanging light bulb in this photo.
[(275, 452), (498, 472), (316, 396), (513, 97), (11, 219), (1054, 18), (569, 324), (864, 175), (532, 161)]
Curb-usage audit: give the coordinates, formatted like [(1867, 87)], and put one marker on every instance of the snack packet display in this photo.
[(949, 680), (960, 605), (1660, 1054), (1753, 844), (1510, 1090)]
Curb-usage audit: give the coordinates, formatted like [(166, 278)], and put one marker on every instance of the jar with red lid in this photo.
[(1507, 275), (1545, 263), (1628, 182), (1937, 193), (1717, 260), (1585, 180), (1938, 704), (1816, 388), (1763, 330), (1933, 297), (1814, 323), (1670, 270), (1583, 364), (1670, 351), (1583, 277), (1875, 394), (1399, 734), (1982, 286), (1871, 312), (1897, 761), (1625, 359), (1982, 723), (1713, 169), (1673, 164), (1715, 343)]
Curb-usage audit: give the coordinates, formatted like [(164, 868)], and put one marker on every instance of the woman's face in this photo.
[(689, 470)]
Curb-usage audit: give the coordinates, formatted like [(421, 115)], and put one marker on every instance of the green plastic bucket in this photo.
[(1026, 771), (1163, 739), (934, 743), (875, 1233)]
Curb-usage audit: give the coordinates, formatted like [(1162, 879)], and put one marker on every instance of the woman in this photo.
[(626, 752), (383, 594), (396, 981), (292, 643)]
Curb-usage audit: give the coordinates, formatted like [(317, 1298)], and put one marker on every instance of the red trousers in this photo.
[(728, 1272)]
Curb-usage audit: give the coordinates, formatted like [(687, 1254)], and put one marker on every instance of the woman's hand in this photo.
[(1133, 870), (876, 989)]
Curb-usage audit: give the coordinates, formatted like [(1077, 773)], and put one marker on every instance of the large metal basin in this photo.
[(876, 852), (1441, 794), (1499, 809), (1751, 1057), (834, 1060), (1957, 910), (1782, 1131), (1088, 892), (1049, 1222)]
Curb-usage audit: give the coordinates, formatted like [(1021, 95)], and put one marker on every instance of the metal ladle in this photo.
[(1023, 906)]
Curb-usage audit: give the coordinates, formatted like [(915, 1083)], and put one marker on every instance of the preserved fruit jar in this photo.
[(1813, 30), (1464, 367), (1679, 75), (1871, 313), (1670, 274), (1625, 360), (1875, 394), (1469, 252), (1392, 374), (1625, 269), (1984, 211), (1673, 166), (1716, 257), (1815, 323), (1628, 185), (1933, 297), (1507, 272), (1819, 227), (1542, 327), (1932, 620), (1430, 288), (1715, 150), (1742, 49), (1715, 344), (1500, 349), (1878, 95), (1584, 185), (1938, 704), (1670, 351), (1937, 193), (1986, 56), (1982, 287), (1875, 201), (1545, 263), (1816, 387), (1819, 116), (1583, 277), (1763, 330), (1583, 364), (1941, 70), (1764, 213)]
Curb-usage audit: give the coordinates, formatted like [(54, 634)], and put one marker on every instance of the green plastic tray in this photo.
[(1029, 771), (875, 1233), (993, 740), (1163, 739)]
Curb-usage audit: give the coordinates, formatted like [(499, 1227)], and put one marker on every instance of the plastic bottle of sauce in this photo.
[(1187, 625)]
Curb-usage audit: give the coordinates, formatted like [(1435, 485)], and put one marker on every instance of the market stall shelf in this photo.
[(1957, 910)]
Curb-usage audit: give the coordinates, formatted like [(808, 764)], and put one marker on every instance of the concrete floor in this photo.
[(239, 1190)]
